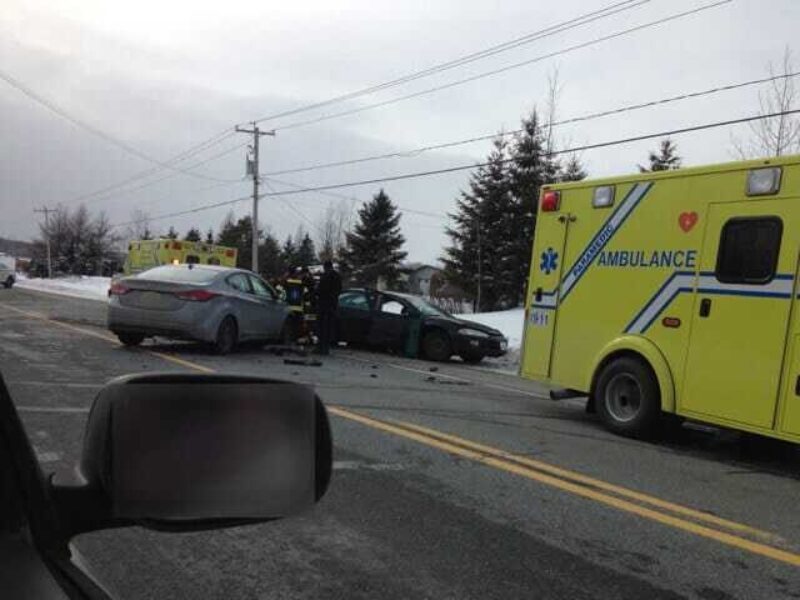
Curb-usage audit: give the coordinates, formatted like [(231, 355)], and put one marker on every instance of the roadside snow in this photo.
[(92, 288), (509, 323)]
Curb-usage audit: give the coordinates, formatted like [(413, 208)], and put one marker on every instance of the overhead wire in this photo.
[(615, 142), (472, 57), (505, 69), (484, 137)]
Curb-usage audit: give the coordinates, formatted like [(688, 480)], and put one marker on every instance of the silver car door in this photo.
[(270, 317), (247, 305)]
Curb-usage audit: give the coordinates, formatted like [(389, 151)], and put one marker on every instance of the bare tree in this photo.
[(139, 228), (778, 135), (331, 230)]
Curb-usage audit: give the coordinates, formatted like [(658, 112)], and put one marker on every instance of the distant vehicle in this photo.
[(8, 270), (411, 325), (146, 254), (219, 305), (672, 292), (270, 458)]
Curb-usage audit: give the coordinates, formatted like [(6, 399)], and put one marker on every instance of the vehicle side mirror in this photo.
[(182, 452)]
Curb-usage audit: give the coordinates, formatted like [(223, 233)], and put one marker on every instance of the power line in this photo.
[(617, 142), (438, 68), (493, 72), (595, 146), (588, 117), (15, 83)]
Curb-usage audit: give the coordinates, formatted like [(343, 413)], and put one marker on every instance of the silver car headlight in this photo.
[(473, 333)]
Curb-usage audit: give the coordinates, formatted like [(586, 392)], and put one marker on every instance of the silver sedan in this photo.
[(206, 303)]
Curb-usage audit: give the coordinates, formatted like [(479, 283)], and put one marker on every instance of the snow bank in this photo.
[(92, 288)]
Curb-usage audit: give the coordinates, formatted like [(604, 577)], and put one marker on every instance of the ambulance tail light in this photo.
[(764, 182), (551, 201)]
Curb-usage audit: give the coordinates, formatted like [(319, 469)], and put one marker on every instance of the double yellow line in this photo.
[(674, 515), (649, 507)]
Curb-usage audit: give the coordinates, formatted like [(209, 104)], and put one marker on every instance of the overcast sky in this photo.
[(165, 75)]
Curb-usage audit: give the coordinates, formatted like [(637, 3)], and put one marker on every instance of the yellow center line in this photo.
[(575, 488), (572, 482)]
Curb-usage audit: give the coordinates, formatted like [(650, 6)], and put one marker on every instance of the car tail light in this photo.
[(550, 201), (196, 295), (117, 289)]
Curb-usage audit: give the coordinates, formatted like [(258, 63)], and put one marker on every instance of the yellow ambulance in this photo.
[(145, 254), (672, 292)]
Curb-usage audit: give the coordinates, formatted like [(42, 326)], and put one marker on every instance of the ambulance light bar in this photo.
[(764, 182), (550, 201), (603, 196)]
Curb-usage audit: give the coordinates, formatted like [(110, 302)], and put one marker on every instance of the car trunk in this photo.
[(155, 295)]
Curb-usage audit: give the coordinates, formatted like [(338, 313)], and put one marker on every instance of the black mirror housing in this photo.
[(175, 451)]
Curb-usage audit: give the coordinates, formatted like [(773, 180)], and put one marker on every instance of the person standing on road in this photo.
[(328, 290)]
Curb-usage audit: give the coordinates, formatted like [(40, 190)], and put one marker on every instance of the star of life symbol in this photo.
[(549, 261)]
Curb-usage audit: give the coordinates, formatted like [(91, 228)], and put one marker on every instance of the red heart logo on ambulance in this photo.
[(687, 220)]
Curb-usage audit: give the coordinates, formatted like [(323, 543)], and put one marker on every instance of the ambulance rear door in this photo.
[(542, 302)]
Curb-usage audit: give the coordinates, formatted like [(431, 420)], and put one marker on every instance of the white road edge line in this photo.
[(53, 409)]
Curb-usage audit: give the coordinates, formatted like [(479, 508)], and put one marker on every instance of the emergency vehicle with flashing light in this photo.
[(671, 292), (146, 254)]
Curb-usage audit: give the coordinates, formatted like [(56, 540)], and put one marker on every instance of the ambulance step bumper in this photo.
[(565, 394)]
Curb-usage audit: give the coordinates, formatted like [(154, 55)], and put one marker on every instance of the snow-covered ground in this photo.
[(93, 288)]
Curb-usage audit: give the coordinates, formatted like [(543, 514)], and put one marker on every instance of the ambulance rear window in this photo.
[(748, 250)]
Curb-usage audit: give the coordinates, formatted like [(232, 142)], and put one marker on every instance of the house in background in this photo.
[(418, 277)]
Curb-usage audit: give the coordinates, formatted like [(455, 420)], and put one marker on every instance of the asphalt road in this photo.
[(459, 483)]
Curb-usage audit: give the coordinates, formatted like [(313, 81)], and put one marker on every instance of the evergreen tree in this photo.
[(306, 252), (210, 236), (147, 234), (532, 166), (374, 247), (171, 234), (480, 231), (193, 235), (289, 252), (270, 257), (666, 159), (238, 235), (573, 170)]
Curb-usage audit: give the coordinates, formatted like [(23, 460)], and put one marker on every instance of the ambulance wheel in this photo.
[(130, 339), (628, 398), (227, 336), (436, 346)]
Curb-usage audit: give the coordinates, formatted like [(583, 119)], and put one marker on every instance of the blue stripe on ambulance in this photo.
[(682, 281), (596, 245)]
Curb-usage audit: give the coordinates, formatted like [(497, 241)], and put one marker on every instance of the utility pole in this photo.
[(46, 211), (253, 168)]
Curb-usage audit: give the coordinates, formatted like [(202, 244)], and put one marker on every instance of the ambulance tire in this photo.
[(227, 336), (627, 398), (436, 346)]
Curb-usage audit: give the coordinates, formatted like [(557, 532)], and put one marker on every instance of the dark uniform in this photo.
[(328, 290)]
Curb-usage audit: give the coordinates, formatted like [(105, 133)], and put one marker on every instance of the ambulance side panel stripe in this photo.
[(780, 287), (603, 236)]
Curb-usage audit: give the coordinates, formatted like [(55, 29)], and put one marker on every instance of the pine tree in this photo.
[(289, 252), (147, 234), (374, 247), (193, 235), (306, 252), (270, 257), (573, 170), (172, 234), (532, 166), (481, 229), (238, 235), (666, 159), (210, 236)]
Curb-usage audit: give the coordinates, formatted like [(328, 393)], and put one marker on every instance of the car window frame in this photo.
[(367, 308), (271, 294), (408, 309), (245, 277)]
